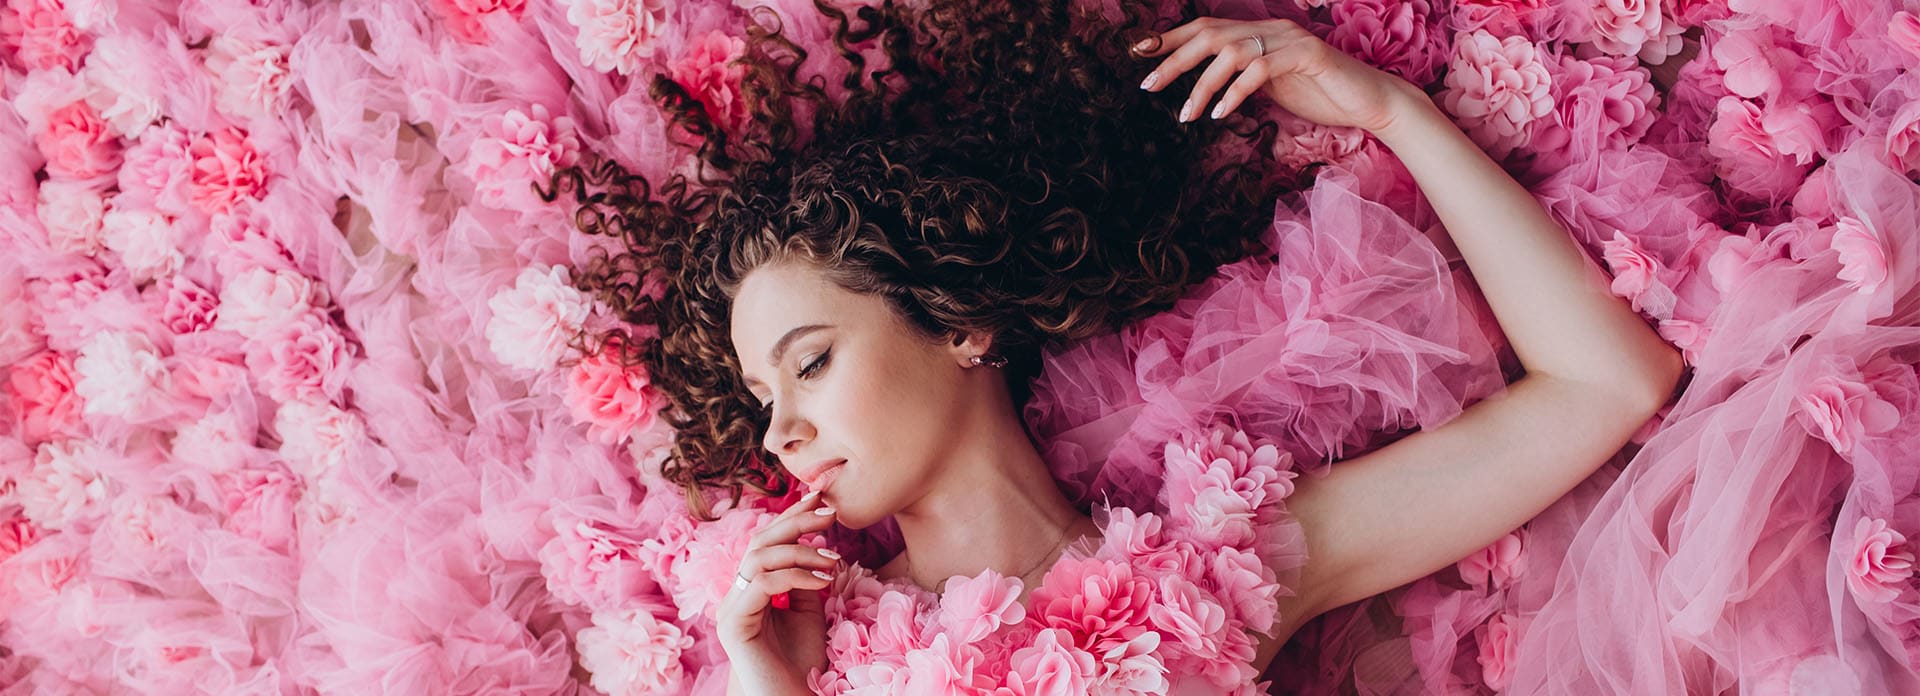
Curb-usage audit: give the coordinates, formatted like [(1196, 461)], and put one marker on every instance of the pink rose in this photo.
[(1394, 35), (157, 170), (466, 19), (226, 170), (1863, 258), (72, 212), (253, 77), (304, 359), (1746, 154), (76, 143), (1842, 411), (593, 563), (1903, 139), (632, 651), (1880, 565), (188, 308), (41, 389), (259, 505), (706, 72), (1496, 87), (618, 34), (1497, 642), (973, 608), (1051, 666), (41, 35), (1636, 276), (1500, 562), (1632, 28), (521, 150), (1599, 104), (1904, 31)]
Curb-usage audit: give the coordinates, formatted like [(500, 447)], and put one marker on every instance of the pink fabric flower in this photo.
[(1880, 564), (706, 72), (973, 608), (1051, 666), (1602, 103), (521, 150), (188, 308), (64, 485), (253, 77), (41, 389), (712, 557), (1632, 28), (618, 34), (1242, 580), (1099, 603), (1694, 13), (218, 442), (534, 320), (315, 437), (1863, 257), (1395, 35), (1689, 336), (15, 534), (1497, 642), (258, 299), (1842, 411), (1747, 155), (466, 19), (1222, 489), (71, 213), (1746, 61), (1132, 668), (1903, 139), (593, 563), (145, 242), (302, 359), (1500, 562), (157, 169), (1636, 276), (946, 667), (632, 652), (1190, 622), (1302, 142), (1499, 17), (20, 322), (1904, 31), (1496, 87), (897, 620), (77, 144), (119, 373), (41, 34), (123, 83), (615, 402), (226, 171), (259, 505)]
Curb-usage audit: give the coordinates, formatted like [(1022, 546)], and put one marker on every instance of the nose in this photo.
[(786, 431)]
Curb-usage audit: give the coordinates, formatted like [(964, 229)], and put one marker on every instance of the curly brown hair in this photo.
[(1001, 175)]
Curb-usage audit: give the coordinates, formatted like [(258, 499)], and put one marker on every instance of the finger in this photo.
[(803, 517), (1229, 61), (1173, 38), (784, 556), (748, 602), (1251, 80)]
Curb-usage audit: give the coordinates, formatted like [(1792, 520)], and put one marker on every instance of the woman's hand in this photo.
[(754, 631), (1299, 72)]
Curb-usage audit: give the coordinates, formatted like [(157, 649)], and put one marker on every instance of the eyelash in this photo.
[(806, 372)]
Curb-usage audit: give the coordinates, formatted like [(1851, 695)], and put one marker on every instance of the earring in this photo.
[(990, 360)]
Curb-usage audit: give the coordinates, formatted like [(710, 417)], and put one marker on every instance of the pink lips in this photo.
[(826, 478)]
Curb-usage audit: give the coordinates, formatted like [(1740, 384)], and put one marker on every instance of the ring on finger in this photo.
[(741, 581), (1259, 43)]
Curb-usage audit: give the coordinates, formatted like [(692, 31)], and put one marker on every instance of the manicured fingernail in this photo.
[(1152, 78), (822, 575), (824, 511), (1220, 110), (1143, 45), (829, 553), (810, 496), (1186, 111)]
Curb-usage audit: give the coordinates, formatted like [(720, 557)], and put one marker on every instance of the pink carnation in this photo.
[(1636, 276), (258, 299), (120, 373), (188, 308), (466, 19), (1863, 257), (1394, 35), (41, 34), (1497, 87), (1500, 562), (706, 72), (77, 144), (521, 150), (618, 34), (1842, 411), (302, 359), (593, 563), (1598, 104), (1880, 564), (145, 242), (1904, 31), (1632, 28), (1497, 642), (41, 390), (259, 505), (973, 608), (1051, 666), (226, 170), (631, 652)]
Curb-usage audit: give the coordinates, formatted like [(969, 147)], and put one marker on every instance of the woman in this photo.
[(1595, 373)]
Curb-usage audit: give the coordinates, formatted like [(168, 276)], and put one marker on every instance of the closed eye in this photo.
[(807, 371)]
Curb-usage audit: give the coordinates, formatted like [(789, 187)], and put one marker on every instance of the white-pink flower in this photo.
[(123, 84), (1497, 87), (631, 652), (534, 320), (259, 504), (77, 143), (71, 213), (1879, 564), (315, 436), (1842, 411), (520, 150), (1497, 641), (1132, 668), (119, 373), (618, 34), (1051, 666), (1863, 257), (593, 563), (157, 169), (1500, 562), (1903, 139), (259, 299), (253, 77), (973, 608), (64, 483), (188, 308), (304, 359), (217, 442), (145, 242), (41, 34)]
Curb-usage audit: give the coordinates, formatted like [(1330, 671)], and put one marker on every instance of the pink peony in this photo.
[(973, 608), (226, 171), (1636, 276), (71, 213), (119, 373), (466, 19), (41, 390), (618, 34), (1395, 35), (1496, 87), (1842, 411), (1598, 104), (1879, 565), (1863, 257), (593, 563), (535, 320), (631, 652), (1632, 28), (258, 299), (64, 485), (41, 34), (188, 308), (707, 72), (1903, 139), (1904, 31), (1500, 562), (1497, 642), (259, 505), (253, 77), (145, 241), (521, 150), (1051, 666), (76, 143), (304, 359)]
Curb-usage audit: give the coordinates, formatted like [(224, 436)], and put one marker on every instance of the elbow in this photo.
[(1664, 371)]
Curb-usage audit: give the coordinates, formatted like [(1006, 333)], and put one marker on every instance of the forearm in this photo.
[(751, 675), (1551, 300)]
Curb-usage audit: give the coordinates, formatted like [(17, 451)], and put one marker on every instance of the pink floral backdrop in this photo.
[(289, 401)]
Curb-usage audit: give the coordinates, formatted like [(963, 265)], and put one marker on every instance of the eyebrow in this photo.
[(780, 346)]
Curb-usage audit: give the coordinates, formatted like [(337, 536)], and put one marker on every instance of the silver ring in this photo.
[(1262, 43), (741, 581)]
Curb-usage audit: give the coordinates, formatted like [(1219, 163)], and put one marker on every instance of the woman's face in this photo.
[(848, 379)]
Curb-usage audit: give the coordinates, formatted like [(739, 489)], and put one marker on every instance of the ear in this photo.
[(966, 345)]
